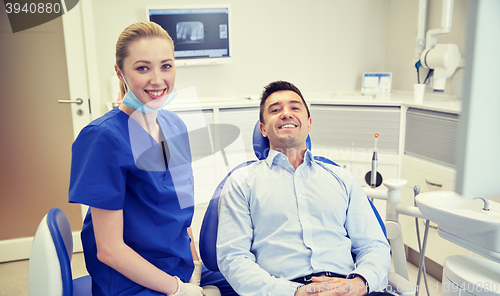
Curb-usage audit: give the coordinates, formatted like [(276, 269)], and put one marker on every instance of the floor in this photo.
[(14, 277), (433, 283)]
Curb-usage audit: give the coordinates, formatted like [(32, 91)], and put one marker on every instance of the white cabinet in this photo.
[(432, 135), (244, 119), (430, 177), (429, 160), (209, 170), (352, 128), (359, 163), (204, 167), (202, 144), (345, 134)]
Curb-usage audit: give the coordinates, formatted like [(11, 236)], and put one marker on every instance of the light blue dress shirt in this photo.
[(277, 223)]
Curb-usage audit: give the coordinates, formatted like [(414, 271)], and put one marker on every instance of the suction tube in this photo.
[(421, 246)]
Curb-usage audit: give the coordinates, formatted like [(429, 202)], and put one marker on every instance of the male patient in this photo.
[(290, 225)]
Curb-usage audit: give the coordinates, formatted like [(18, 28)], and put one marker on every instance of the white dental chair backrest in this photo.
[(50, 259)]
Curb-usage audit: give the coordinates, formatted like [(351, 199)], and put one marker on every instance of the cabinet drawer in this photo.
[(426, 180), (429, 176)]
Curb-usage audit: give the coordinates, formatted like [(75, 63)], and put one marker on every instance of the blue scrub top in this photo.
[(117, 165)]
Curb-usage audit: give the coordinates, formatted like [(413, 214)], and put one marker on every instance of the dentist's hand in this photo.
[(187, 289), (196, 276)]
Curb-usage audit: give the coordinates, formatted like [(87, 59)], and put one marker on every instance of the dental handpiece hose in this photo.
[(421, 246)]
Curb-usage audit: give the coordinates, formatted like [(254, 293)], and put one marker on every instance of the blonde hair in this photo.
[(135, 32)]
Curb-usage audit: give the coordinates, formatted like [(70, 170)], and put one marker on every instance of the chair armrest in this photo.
[(211, 290), (399, 285)]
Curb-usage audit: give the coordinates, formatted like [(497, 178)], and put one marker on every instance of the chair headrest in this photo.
[(261, 144)]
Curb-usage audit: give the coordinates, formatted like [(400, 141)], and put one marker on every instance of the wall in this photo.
[(320, 45), (401, 39)]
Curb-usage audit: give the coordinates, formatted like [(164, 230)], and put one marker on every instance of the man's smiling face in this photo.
[(286, 123)]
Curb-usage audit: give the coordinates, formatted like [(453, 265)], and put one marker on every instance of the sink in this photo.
[(461, 220), (449, 209)]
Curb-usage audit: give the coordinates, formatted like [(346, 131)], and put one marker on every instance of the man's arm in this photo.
[(369, 244), (234, 240)]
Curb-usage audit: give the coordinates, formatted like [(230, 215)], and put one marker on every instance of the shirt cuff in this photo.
[(294, 287), (353, 275)]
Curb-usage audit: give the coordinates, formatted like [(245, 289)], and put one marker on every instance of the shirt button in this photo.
[(300, 195)]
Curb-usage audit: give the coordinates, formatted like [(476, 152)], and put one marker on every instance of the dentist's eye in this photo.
[(142, 68), (166, 66)]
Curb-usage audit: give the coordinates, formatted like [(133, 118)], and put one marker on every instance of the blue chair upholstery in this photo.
[(208, 232), (50, 259)]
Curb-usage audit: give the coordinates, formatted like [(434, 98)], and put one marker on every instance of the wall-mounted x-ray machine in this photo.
[(442, 59)]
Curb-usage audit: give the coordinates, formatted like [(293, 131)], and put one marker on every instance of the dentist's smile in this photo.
[(155, 94)]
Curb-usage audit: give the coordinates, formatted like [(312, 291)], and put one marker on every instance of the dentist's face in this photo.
[(149, 70), (286, 123)]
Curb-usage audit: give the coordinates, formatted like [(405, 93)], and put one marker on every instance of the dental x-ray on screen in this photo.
[(201, 34)]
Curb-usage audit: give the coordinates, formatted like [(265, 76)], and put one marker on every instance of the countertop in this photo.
[(436, 102), (187, 100)]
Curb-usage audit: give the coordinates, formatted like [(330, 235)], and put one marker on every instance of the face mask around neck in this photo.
[(132, 101)]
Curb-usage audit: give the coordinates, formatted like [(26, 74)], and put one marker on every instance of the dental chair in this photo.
[(208, 233), (50, 260)]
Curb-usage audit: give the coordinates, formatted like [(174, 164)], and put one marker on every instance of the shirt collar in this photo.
[(276, 157)]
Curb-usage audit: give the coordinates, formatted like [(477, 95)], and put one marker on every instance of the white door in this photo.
[(36, 131), (78, 57), (74, 41)]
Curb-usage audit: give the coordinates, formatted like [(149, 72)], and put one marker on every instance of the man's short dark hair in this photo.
[(278, 86)]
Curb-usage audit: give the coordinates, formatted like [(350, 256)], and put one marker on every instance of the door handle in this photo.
[(77, 101)]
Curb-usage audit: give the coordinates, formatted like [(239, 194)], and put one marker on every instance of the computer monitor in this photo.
[(201, 34)]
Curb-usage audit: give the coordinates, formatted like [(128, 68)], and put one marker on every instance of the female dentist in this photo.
[(132, 166)]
